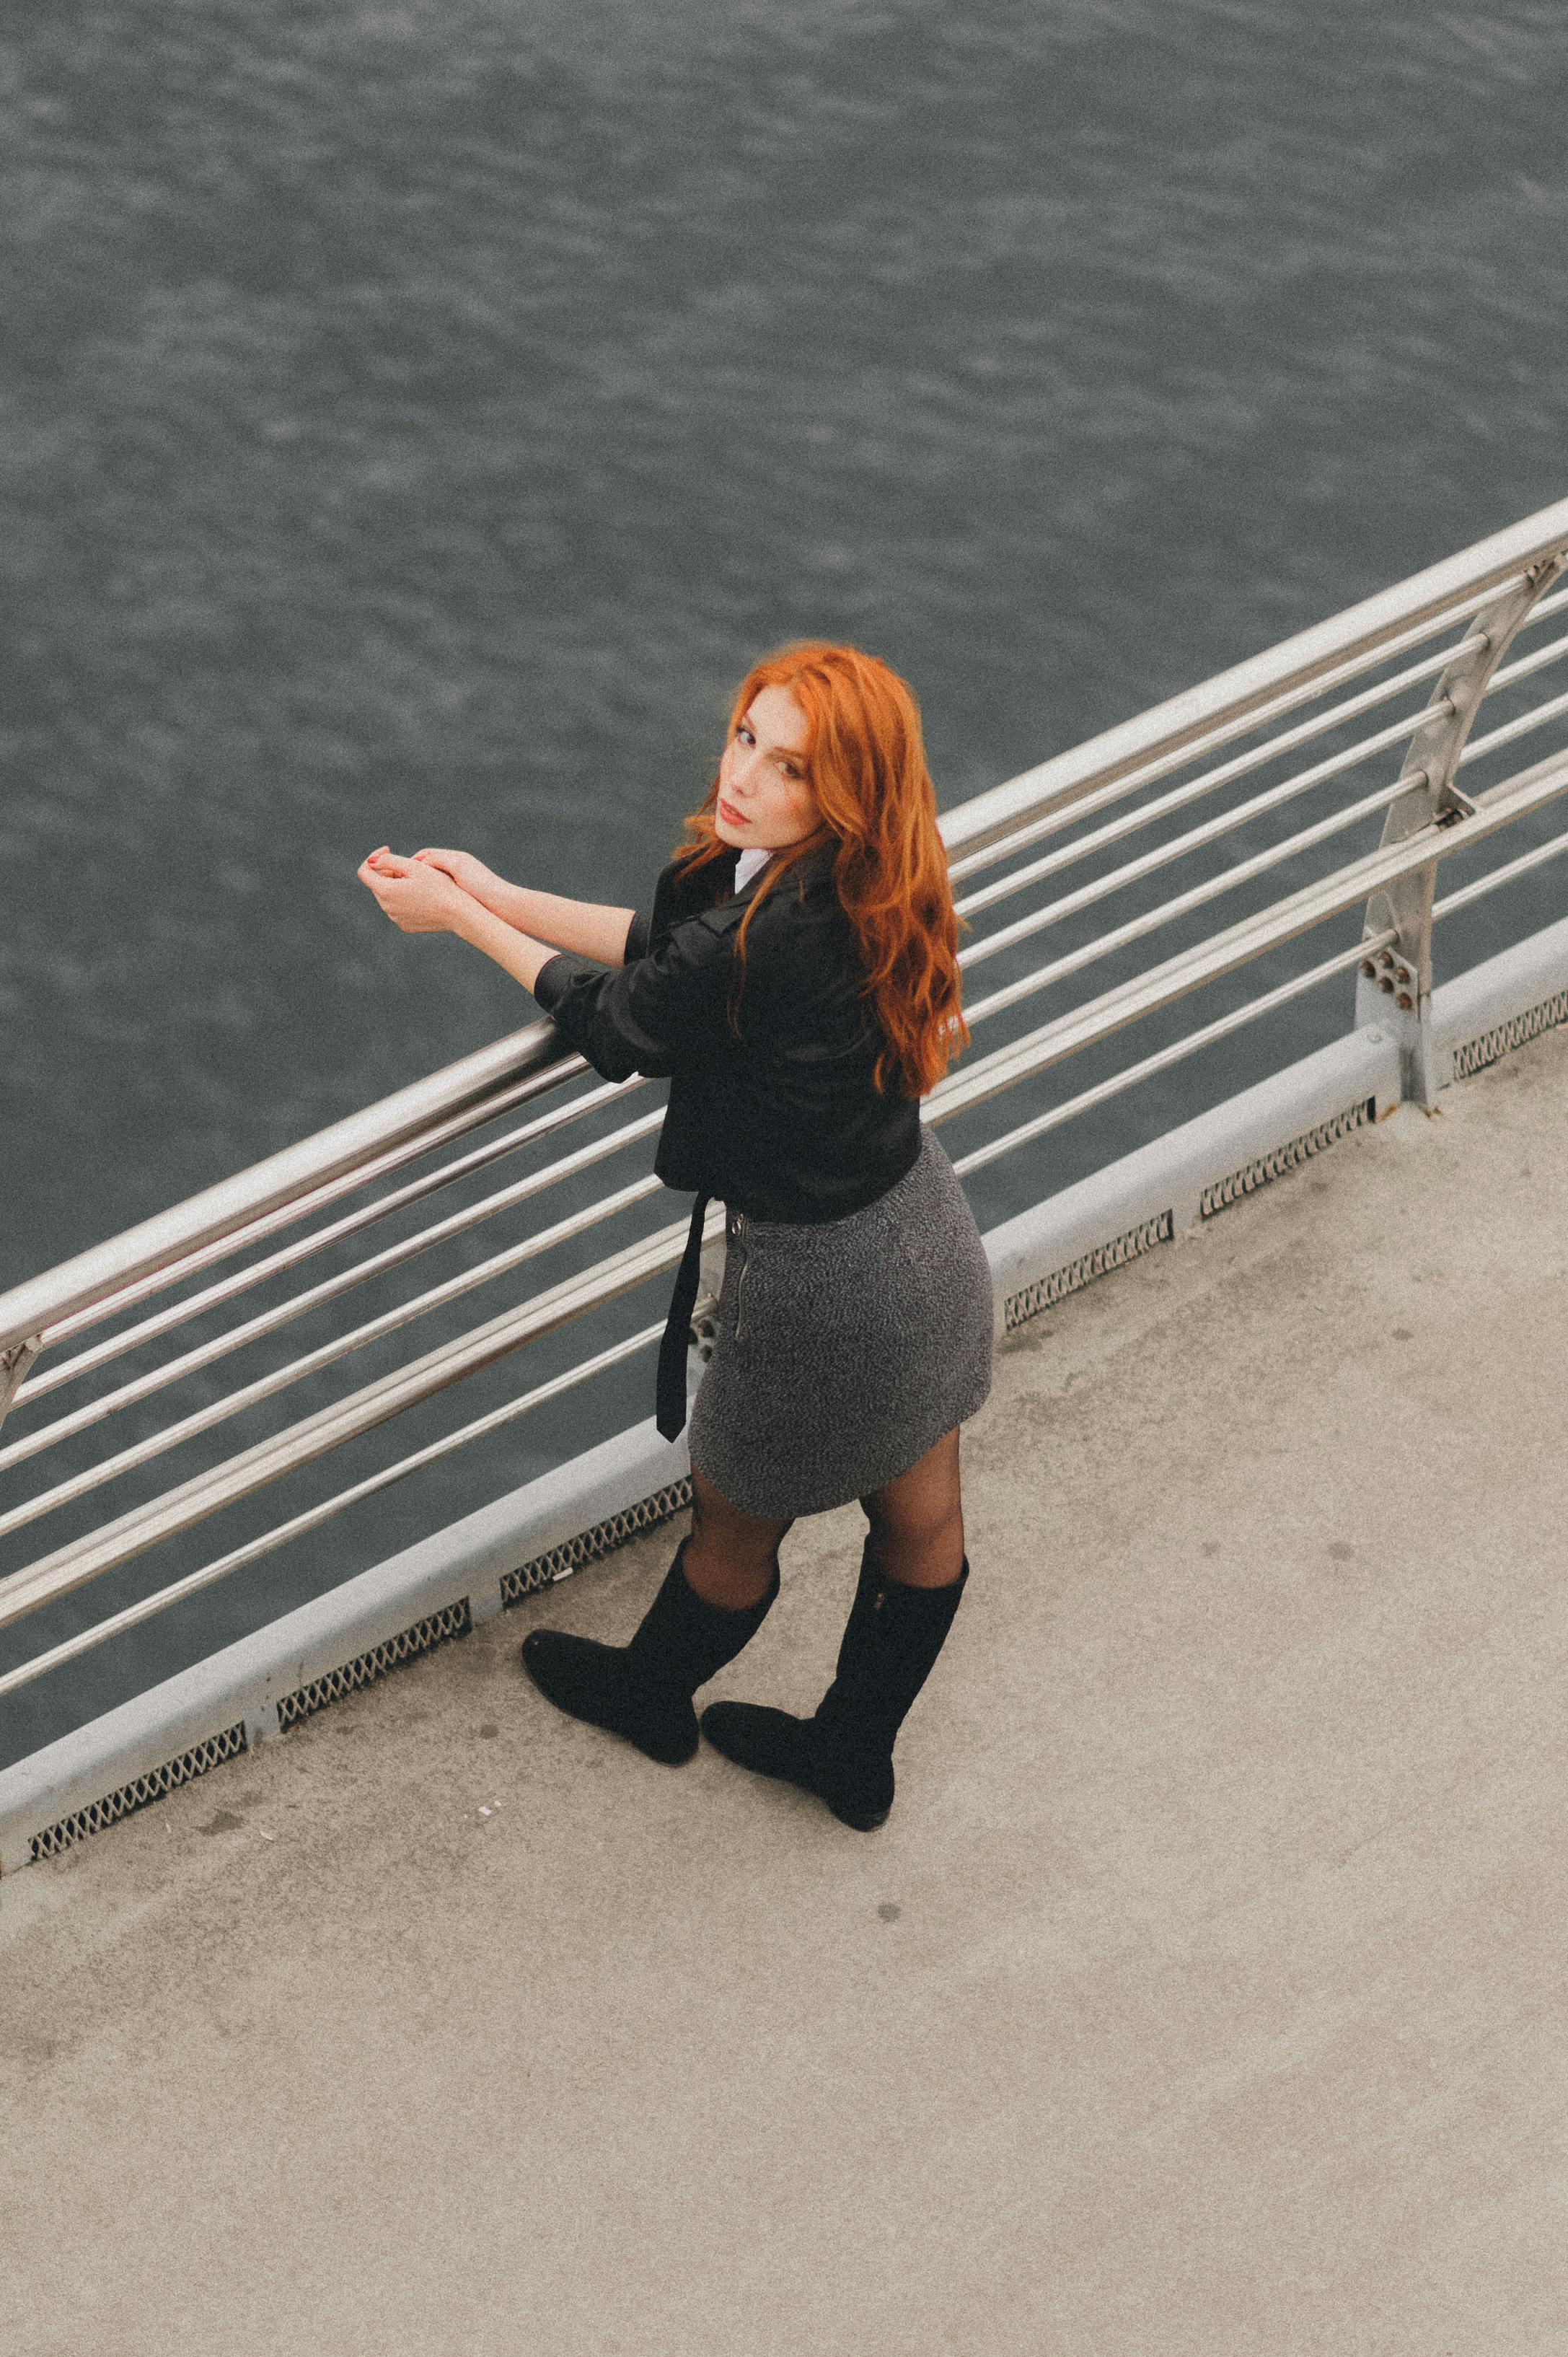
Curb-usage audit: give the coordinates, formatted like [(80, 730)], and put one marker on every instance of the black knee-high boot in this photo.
[(643, 1690), (843, 1753)]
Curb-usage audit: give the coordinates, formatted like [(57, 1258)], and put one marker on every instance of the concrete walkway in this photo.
[(1205, 1992)]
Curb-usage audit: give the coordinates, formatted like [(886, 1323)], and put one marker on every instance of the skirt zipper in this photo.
[(744, 1264)]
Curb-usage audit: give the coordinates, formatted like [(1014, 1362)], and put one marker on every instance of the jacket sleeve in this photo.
[(655, 1015)]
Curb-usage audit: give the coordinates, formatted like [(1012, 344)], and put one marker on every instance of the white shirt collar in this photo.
[(747, 866)]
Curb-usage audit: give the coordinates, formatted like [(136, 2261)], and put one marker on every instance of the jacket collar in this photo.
[(813, 870)]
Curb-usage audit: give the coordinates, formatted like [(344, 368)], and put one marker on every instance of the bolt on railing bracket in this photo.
[(14, 1365), (704, 1325), (1393, 986)]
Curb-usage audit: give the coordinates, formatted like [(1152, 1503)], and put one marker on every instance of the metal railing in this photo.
[(1079, 811)]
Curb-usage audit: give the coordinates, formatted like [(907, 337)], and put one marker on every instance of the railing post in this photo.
[(1394, 988)]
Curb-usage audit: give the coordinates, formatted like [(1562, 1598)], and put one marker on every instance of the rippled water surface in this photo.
[(415, 419)]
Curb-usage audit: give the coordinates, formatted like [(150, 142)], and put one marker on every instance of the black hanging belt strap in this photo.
[(677, 1335)]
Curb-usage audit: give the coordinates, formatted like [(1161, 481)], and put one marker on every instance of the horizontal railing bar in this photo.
[(148, 1524), (1509, 735), (1056, 820), (358, 1338), (1499, 876), (1211, 780), (1247, 696), (162, 1321), (1188, 970), (88, 1640), (39, 1304), (1212, 831), (1162, 1060), (331, 1289), (1510, 674), (1060, 816), (286, 1215), (1250, 687), (1214, 887), (1545, 608)]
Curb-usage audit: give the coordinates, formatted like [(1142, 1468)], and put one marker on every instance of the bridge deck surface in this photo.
[(1202, 1995)]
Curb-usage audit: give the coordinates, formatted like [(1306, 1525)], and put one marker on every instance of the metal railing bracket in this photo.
[(14, 1360), (1430, 800)]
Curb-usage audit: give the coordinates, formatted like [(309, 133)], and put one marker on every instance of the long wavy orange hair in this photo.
[(866, 764)]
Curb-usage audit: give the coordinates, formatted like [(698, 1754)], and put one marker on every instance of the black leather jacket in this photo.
[(783, 1123)]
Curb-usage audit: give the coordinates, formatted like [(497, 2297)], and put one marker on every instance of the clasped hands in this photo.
[(431, 893)]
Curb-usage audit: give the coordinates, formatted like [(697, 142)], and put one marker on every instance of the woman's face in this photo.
[(764, 802)]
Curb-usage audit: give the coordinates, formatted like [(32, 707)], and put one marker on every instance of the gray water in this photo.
[(416, 419)]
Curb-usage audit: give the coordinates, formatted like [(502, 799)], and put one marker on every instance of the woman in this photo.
[(798, 982)]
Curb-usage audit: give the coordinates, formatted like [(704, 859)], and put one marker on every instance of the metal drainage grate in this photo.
[(137, 1794), (1020, 1306), (1477, 1054), (365, 1668), (1268, 1167), (588, 1545)]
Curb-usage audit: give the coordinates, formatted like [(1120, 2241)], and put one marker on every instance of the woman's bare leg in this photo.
[(917, 1521), (730, 1556)]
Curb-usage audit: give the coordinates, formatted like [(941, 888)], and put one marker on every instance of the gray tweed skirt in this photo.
[(844, 1348)]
